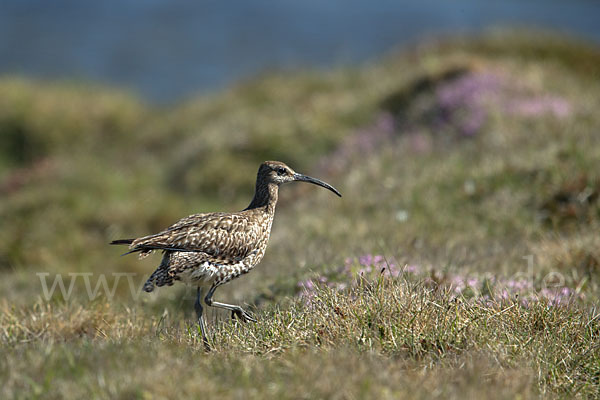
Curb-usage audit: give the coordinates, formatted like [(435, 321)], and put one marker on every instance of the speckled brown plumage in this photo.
[(208, 250)]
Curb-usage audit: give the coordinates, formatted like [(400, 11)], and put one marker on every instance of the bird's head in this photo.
[(278, 173)]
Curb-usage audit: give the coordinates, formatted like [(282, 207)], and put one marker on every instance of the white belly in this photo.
[(201, 274)]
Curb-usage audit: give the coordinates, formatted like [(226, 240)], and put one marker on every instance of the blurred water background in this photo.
[(170, 50)]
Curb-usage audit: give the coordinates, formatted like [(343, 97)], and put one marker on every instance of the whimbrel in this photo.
[(209, 249)]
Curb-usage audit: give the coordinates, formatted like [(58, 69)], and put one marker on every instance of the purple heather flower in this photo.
[(557, 295), (469, 90), (472, 282), (540, 105), (370, 266), (411, 269), (393, 268), (519, 285), (465, 99), (307, 285), (391, 271), (365, 260), (473, 122)]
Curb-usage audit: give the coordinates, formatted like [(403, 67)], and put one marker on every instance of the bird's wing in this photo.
[(219, 235)]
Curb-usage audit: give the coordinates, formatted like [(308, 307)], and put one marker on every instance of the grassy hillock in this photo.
[(463, 258)]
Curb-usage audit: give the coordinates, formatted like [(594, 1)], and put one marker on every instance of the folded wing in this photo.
[(223, 237)]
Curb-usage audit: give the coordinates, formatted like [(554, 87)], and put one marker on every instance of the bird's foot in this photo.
[(207, 347), (202, 335), (242, 314)]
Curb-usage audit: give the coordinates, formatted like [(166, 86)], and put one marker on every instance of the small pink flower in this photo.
[(411, 269)]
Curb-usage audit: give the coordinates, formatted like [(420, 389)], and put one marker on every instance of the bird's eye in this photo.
[(281, 171)]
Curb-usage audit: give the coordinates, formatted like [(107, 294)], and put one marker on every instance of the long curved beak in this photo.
[(305, 178)]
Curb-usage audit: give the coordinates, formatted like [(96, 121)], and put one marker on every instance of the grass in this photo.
[(462, 260), (385, 338)]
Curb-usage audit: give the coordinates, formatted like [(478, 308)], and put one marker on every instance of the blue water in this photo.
[(170, 49)]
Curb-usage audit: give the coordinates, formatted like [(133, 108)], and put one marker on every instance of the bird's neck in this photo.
[(265, 197)]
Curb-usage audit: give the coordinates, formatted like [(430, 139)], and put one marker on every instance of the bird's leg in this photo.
[(199, 310), (238, 311)]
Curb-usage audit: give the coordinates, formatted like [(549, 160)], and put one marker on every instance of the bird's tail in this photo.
[(122, 241), (149, 285), (160, 277)]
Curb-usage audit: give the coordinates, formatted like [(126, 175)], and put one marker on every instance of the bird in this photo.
[(207, 250)]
